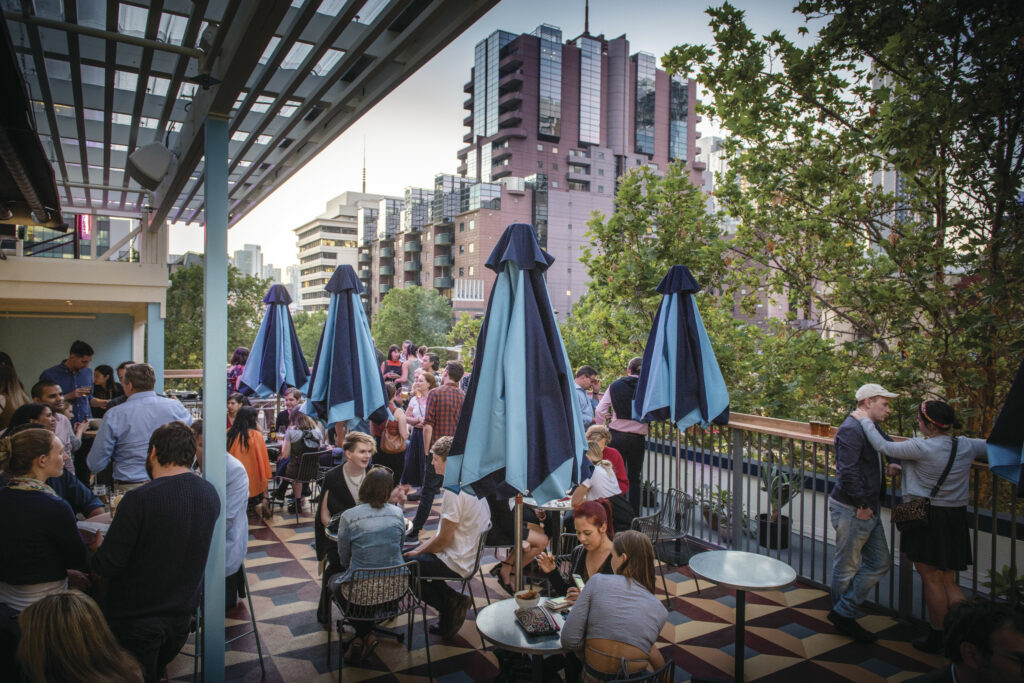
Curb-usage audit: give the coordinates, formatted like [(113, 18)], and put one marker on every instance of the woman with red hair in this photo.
[(594, 553)]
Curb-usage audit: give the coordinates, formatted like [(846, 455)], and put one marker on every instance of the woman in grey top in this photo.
[(943, 547), (593, 630)]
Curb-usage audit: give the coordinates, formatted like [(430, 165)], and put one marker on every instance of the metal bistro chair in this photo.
[(494, 551), (669, 523), (377, 595), (664, 674), (467, 580), (254, 631), (309, 473)]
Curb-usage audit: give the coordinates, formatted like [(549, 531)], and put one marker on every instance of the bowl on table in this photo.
[(528, 597)]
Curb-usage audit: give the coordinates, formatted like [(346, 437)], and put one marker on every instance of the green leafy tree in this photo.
[(308, 328), (183, 327), (422, 315), (919, 285)]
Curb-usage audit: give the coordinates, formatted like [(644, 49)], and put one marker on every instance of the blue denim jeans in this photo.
[(861, 558)]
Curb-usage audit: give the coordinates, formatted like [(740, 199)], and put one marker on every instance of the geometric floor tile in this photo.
[(788, 637)]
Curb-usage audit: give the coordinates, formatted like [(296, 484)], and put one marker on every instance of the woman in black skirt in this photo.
[(943, 547)]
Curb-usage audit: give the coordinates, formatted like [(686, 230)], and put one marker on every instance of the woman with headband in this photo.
[(941, 548)]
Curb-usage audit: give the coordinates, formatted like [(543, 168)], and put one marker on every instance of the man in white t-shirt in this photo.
[(451, 553)]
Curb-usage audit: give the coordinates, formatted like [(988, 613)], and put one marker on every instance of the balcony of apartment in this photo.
[(506, 133), (500, 153), (443, 261), (386, 270), (577, 171), (499, 172), (444, 282), (411, 266), (510, 118), (364, 273), (510, 100), (386, 252), (443, 238), (509, 62), (468, 87), (365, 257), (468, 137), (510, 81), (699, 166), (468, 121), (468, 103), (413, 247), (384, 289), (462, 168)]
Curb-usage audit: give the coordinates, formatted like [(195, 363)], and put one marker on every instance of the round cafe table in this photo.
[(559, 507), (742, 572), (497, 624)]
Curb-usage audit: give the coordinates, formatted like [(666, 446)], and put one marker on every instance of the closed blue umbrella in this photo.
[(1006, 442), (680, 379), (346, 383), (520, 426), (275, 361)]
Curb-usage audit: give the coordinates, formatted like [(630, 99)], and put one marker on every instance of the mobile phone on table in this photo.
[(579, 581)]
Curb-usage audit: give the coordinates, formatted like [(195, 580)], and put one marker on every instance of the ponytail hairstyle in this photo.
[(639, 563), (940, 415), (19, 451), (595, 454), (597, 512)]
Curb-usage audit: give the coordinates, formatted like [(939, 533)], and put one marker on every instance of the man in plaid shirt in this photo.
[(443, 407)]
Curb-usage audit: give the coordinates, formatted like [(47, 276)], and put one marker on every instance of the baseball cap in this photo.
[(872, 390)]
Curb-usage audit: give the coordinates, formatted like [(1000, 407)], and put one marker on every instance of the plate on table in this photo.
[(93, 527)]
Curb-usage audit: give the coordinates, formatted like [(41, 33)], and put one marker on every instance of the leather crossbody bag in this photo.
[(914, 514)]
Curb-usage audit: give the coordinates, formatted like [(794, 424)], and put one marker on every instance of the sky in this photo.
[(414, 132)]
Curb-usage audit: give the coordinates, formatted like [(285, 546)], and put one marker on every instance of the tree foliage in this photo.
[(308, 328), (413, 313), (183, 327), (466, 331), (919, 283)]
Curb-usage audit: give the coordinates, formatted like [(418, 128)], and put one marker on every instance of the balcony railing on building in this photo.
[(411, 266), (365, 257), (443, 261), (386, 270), (443, 238), (386, 252), (444, 282), (364, 274), (413, 247), (726, 476)]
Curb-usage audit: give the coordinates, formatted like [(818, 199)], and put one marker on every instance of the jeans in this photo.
[(631, 446), (153, 641), (861, 558), (432, 482), (437, 594)]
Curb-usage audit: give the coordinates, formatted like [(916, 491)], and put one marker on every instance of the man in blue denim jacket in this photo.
[(861, 555)]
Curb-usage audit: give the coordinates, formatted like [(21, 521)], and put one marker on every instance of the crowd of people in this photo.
[(128, 594)]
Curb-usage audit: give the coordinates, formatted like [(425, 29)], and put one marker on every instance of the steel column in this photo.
[(215, 361), (155, 343)]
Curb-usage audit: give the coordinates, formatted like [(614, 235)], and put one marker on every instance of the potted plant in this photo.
[(1006, 584), (715, 506), (649, 495), (781, 486)]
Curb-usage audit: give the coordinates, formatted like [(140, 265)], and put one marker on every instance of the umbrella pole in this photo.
[(518, 549)]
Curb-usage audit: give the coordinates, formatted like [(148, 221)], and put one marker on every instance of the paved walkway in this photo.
[(788, 637)]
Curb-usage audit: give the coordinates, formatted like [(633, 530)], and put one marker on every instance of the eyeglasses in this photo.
[(383, 467)]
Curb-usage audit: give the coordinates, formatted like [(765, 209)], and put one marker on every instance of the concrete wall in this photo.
[(36, 343)]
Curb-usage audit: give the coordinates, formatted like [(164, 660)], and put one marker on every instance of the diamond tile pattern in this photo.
[(788, 635)]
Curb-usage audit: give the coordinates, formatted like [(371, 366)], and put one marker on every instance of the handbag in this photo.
[(391, 441), (536, 621), (914, 514)]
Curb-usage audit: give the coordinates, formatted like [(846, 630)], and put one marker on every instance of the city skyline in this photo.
[(404, 150)]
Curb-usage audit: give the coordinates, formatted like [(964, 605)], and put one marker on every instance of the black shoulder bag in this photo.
[(914, 514)]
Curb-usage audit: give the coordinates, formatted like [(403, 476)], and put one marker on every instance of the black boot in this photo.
[(931, 643)]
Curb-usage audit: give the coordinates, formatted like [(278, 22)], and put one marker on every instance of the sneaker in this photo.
[(291, 507), (457, 616), (851, 628), (412, 496)]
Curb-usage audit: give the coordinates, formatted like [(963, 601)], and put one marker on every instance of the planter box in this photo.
[(774, 535)]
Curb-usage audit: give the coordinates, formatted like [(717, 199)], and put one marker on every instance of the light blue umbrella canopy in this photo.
[(520, 428), (1006, 442), (346, 383), (680, 379), (275, 362)]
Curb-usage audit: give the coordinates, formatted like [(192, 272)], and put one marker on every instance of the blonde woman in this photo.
[(603, 483), (64, 637)]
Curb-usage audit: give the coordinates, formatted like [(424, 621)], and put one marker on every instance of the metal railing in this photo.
[(721, 471)]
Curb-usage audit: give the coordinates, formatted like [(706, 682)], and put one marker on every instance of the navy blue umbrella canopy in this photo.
[(346, 383), (1006, 442), (520, 428), (680, 379), (275, 362)]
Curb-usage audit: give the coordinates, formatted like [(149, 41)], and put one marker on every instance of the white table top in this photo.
[(554, 505), (742, 571), (497, 623)]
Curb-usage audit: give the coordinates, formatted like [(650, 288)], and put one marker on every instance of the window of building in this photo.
[(600, 155), (554, 150), (600, 188), (462, 272), (554, 184), (540, 148), (638, 162), (471, 271), (462, 248), (472, 225), (472, 247), (540, 164), (462, 227), (600, 171), (570, 226), (554, 167)]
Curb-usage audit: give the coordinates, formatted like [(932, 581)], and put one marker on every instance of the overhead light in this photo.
[(68, 302)]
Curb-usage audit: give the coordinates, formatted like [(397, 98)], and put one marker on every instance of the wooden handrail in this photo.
[(787, 429)]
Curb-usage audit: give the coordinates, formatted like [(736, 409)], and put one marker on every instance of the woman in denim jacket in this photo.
[(369, 537)]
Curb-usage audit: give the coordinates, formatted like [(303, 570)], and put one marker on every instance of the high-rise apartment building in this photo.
[(249, 260), (329, 240), (551, 127)]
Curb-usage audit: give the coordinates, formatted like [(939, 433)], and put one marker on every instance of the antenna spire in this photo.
[(586, 18), (364, 164)]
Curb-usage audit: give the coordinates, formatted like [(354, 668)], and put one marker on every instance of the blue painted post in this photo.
[(155, 343), (215, 396)]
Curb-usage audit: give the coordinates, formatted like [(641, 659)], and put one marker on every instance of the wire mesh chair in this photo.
[(664, 674), (377, 595), (669, 524), (467, 580), (200, 625), (308, 474)]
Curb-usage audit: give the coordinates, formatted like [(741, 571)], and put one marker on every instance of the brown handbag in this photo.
[(391, 441), (914, 514)]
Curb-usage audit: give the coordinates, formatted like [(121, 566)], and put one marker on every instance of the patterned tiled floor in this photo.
[(788, 636)]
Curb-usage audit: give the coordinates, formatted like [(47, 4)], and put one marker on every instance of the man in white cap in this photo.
[(862, 555)]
